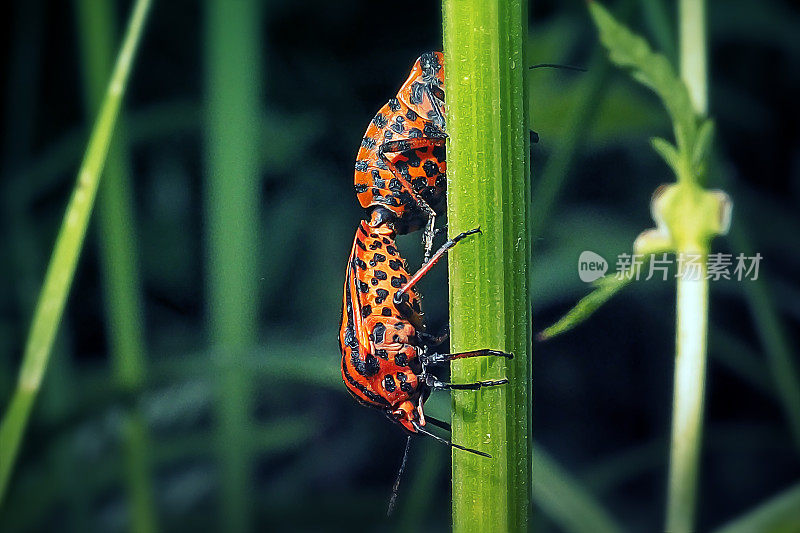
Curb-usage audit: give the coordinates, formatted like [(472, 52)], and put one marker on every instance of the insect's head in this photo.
[(407, 415), (423, 91)]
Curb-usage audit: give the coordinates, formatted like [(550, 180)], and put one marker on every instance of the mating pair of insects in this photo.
[(400, 177)]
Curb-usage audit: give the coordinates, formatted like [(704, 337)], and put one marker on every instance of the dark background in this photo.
[(602, 392)]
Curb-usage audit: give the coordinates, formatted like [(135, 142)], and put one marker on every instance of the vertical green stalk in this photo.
[(61, 269), (233, 79), (119, 264), (693, 52), (489, 186), (692, 307), (687, 401)]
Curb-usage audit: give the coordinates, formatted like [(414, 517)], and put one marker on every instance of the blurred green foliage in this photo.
[(601, 393)]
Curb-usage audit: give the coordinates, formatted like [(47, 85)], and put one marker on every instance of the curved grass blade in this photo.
[(61, 269)]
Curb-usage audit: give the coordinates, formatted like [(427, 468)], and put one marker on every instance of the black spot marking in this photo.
[(416, 93), (383, 354), (418, 184), (388, 384), (360, 187), (359, 263), (402, 168), (413, 160), (368, 142), (386, 240), (361, 245), (368, 367), (381, 164), (394, 264), (399, 281), (361, 165), (394, 104), (397, 125), (366, 311), (363, 287), (379, 120), (439, 153), (391, 250), (373, 281), (401, 359), (382, 295), (405, 386), (430, 168), (375, 245), (395, 185), (410, 115), (432, 130), (414, 133), (377, 258), (387, 134), (380, 274), (406, 198), (379, 182), (386, 312), (378, 333)]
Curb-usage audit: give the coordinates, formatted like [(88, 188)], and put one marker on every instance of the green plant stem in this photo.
[(692, 307), (489, 186), (119, 265), (61, 269), (687, 402), (694, 73), (233, 78)]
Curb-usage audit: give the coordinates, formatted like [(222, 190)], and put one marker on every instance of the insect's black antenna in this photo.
[(447, 442), (438, 423), (554, 65), (396, 487)]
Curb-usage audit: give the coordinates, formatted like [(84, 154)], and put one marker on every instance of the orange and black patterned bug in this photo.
[(400, 168), (385, 350)]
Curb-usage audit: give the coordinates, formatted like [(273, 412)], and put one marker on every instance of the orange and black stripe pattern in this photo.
[(400, 177), (378, 339), (401, 164)]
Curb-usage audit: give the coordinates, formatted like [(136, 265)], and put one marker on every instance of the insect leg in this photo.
[(403, 145), (434, 383), (433, 340), (446, 442), (437, 358), (432, 261)]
